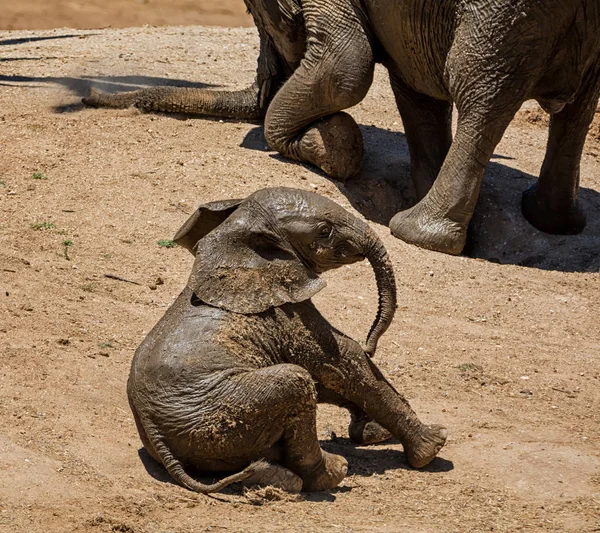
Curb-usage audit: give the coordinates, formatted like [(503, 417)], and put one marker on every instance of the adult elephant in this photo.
[(487, 56)]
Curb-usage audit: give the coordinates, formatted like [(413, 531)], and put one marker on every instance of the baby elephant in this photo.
[(230, 378)]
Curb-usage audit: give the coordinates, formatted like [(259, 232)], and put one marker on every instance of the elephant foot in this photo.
[(366, 431), (433, 232), (330, 473), (426, 446), (539, 212), (335, 145), (273, 475)]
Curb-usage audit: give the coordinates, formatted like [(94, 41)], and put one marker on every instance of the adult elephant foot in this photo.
[(423, 449), (266, 474), (364, 430), (327, 475), (335, 145), (433, 232), (558, 220)]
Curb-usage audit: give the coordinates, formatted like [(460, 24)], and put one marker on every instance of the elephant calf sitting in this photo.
[(233, 372)]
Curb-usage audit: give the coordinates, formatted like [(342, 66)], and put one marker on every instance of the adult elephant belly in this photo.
[(416, 36)]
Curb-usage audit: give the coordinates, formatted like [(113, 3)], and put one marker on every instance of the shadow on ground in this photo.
[(363, 461), (498, 231), (34, 38), (80, 87), (377, 459)]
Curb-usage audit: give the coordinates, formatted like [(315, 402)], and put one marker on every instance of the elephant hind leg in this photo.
[(274, 475), (267, 413), (304, 121), (428, 128), (551, 204), (159, 449)]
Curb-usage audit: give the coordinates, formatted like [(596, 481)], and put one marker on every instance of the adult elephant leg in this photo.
[(428, 128), (551, 204), (439, 221), (362, 428), (303, 120), (486, 79)]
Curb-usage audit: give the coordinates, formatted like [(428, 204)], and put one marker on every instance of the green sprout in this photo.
[(66, 244), (43, 225)]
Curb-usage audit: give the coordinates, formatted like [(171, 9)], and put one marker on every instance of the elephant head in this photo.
[(269, 249)]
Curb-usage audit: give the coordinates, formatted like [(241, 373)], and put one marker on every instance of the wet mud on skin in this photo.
[(502, 349)]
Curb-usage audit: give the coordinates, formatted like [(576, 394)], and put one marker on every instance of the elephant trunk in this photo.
[(377, 255), (244, 104)]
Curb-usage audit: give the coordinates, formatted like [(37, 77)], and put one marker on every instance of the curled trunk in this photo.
[(377, 255)]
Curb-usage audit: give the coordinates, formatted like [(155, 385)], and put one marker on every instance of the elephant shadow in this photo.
[(498, 231), (366, 461), (363, 461), (80, 86)]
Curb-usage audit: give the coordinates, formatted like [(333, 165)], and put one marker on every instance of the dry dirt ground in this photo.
[(502, 348), (48, 14)]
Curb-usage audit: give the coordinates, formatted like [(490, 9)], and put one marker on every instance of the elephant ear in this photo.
[(245, 267), (205, 219)]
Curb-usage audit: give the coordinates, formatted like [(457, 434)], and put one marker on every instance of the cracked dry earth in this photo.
[(502, 346)]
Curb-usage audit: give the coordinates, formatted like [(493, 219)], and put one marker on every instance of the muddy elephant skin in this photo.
[(229, 379), (486, 57)]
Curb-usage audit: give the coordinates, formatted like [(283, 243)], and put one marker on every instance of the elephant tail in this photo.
[(176, 470)]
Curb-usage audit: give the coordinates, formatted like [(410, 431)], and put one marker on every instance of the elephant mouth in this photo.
[(328, 258)]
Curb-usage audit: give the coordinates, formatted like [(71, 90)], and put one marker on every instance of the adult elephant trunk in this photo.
[(377, 255), (245, 104)]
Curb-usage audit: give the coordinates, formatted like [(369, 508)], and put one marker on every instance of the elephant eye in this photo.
[(325, 231)]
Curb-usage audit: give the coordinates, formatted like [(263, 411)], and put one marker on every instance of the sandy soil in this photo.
[(502, 348), (48, 14)]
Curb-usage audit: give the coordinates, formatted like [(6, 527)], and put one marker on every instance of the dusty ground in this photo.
[(48, 14), (506, 355)]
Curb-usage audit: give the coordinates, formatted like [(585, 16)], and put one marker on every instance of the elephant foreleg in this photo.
[(340, 365), (303, 121), (487, 80), (428, 128), (551, 204)]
